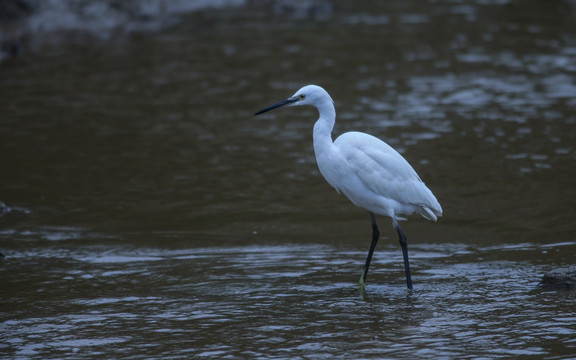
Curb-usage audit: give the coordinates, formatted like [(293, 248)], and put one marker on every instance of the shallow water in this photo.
[(150, 215), (283, 301)]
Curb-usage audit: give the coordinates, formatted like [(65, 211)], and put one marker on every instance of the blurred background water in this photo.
[(147, 214)]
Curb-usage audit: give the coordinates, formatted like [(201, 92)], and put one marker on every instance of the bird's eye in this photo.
[(301, 96)]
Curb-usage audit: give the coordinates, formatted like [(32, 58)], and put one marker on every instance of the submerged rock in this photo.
[(563, 277)]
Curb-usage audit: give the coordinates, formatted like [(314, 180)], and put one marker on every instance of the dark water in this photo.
[(150, 215)]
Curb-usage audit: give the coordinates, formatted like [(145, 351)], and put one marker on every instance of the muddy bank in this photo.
[(30, 24)]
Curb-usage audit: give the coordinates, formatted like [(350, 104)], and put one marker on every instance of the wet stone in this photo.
[(563, 277)]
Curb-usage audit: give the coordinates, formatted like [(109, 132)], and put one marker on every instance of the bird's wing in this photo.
[(384, 171)]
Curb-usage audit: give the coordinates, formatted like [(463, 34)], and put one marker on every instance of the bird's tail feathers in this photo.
[(428, 213)]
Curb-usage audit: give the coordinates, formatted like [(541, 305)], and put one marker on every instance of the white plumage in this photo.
[(369, 172)]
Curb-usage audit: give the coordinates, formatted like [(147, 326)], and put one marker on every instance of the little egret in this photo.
[(370, 173)]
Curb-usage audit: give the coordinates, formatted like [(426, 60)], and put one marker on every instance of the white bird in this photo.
[(370, 173)]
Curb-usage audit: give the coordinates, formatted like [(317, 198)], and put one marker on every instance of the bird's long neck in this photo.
[(323, 127)]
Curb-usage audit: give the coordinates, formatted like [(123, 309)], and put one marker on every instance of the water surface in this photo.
[(150, 215)]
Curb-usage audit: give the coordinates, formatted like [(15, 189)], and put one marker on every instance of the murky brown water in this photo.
[(152, 216)]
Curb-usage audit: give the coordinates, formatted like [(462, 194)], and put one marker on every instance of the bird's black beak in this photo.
[(275, 106)]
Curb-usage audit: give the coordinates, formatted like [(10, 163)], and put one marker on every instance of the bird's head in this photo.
[(308, 95)]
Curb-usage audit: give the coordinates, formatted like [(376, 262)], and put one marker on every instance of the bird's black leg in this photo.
[(375, 237), (404, 244)]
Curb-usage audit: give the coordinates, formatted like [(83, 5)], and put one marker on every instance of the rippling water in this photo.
[(147, 214), (286, 300)]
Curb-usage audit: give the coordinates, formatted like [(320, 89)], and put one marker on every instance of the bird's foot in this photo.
[(362, 281)]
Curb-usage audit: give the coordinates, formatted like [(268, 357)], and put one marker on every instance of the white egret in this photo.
[(370, 173)]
